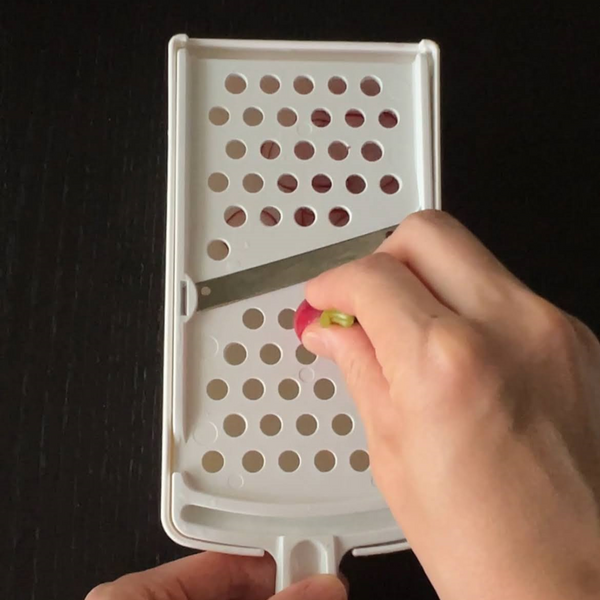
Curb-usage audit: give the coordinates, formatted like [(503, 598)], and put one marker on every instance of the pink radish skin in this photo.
[(305, 315)]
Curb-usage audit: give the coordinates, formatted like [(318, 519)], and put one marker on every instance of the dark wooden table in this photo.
[(82, 188)]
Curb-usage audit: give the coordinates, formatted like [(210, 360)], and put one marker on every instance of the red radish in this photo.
[(305, 315), (320, 117), (355, 118)]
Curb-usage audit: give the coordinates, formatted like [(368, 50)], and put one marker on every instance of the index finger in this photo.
[(392, 305), (453, 263), (207, 576)]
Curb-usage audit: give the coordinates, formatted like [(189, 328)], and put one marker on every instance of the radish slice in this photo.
[(307, 314)]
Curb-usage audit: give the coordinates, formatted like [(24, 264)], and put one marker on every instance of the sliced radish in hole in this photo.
[(270, 216), (338, 150), (370, 86), (320, 117), (371, 151), (321, 183), (270, 149), (355, 118), (305, 216), (287, 183), (235, 216), (304, 150), (388, 119), (339, 217), (355, 184), (389, 184), (337, 85)]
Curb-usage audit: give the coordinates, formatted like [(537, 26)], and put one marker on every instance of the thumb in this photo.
[(352, 351), (320, 587)]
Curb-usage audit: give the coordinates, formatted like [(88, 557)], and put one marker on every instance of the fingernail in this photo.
[(305, 315)]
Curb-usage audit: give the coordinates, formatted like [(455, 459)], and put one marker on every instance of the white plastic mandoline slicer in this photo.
[(280, 155)]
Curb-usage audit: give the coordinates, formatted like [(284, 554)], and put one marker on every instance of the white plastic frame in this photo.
[(304, 536)]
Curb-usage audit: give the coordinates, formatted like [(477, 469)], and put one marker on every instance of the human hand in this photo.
[(212, 576), (481, 404)]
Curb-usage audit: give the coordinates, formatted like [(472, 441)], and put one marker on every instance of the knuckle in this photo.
[(457, 355), (552, 327), (426, 219), (373, 262), (104, 591)]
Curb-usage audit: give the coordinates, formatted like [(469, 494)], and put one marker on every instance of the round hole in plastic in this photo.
[(253, 183), (289, 389), (388, 118), (253, 116), (253, 318), (337, 85), (253, 389), (287, 117), (217, 389), (270, 354), (324, 389), (356, 184), (342, 424), (235, 149), (270, 216), (218, 115), (389, 184), (235, 216), (355, 118), (359, 460), (235, 354), (218, 250), (321, 183), (320, 117), (235, 83), (270, 425), (304, 356), (324, 461), (212, 461), (289, 461), (304, 150), (234, 425), (286, 318), (269, 84), (218, 182), (338, 150), (339, 216), (253, 461), (371, 151), (270, 149), (305, 216), (370, 86), (205, 291), (306, 424), (304, 85), (287, 183)]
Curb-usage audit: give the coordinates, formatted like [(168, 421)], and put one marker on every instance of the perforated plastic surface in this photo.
[(278, 148)]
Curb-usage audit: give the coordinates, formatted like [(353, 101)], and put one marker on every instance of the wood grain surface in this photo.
[(82, 221)]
